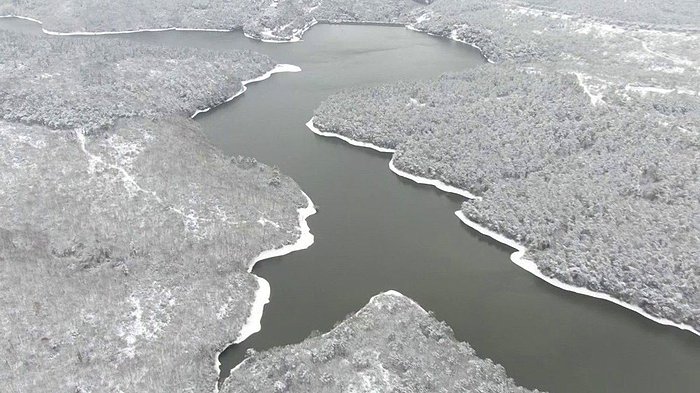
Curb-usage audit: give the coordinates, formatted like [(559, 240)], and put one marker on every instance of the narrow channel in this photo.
[(375, 231)]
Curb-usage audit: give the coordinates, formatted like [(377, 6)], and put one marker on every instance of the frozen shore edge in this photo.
[(516, 257)]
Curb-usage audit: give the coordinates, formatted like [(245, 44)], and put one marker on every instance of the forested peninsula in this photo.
[(390, 345), (126, 238), (582, 142)]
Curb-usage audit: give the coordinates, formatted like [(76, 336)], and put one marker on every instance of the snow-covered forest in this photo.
[(89, 84), (640, 12), (583, 140), (127, 236), (130, 237), (605, 197)]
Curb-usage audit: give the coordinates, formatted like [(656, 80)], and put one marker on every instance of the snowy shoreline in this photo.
[(312, 127), (252, 325), (275, 70), (262, 295), (431, 182), (97, 33), (297, 35), (516, 257), (305, 240), (420, 180)]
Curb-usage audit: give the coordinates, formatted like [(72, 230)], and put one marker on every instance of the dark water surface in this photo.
[(375, 231)]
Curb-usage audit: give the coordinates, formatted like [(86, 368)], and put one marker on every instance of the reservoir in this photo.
[(376, 231)]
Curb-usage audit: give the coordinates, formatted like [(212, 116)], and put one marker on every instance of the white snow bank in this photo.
[(252, 325), (312, 127), (306, 239), (432, 182), (420, 180), (20, 17), (277, 69)]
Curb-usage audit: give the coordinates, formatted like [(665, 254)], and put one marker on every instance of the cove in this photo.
[(375, 231)]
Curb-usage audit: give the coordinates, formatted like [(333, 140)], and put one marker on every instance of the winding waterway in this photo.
[(376, 231)]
